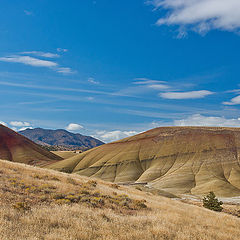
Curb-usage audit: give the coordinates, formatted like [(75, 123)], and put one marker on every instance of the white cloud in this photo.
[(19, 124), (200, 15), (3, 123), (159, 86), (62, 50), (27, 60), (65, 70), (154, 84), (36, 62), (146, 81), (110, 136), (42, 54), (74, 127), (185, 95), (24, 128), (233, 101), (92, 80), (200, 120)]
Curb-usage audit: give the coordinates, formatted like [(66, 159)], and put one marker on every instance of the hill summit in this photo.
[(179, 160), (17, 148), (61, 138)]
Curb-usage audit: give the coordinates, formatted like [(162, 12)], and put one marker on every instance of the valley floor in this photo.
[(44, 204)]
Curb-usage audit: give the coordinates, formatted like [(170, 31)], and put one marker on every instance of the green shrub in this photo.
[(212, 203)]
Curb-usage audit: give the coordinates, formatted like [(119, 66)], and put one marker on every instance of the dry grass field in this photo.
[(44, 204)]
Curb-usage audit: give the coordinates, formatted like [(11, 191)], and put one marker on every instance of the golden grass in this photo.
[(30, 209)]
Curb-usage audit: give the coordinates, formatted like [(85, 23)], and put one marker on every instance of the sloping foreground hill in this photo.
[(44, 204), (61, 138), (15, 147), (179, 160)]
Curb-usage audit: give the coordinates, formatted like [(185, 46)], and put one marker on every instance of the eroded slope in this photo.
[(179, 160), (15, 147)]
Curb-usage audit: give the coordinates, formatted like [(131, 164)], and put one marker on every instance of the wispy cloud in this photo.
[(200, 15), (172, 90), (146, 81), (153, 84), (27, 60), (159, 86), (200, 120), (186, 95), (143, 86), (92, 80), (163, 107), (62, 50), (233, 101), (65, 70), (149, 114), (42, 54), (29, 86), (37, 62)]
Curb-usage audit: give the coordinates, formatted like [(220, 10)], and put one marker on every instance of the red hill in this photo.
[(17, 148)]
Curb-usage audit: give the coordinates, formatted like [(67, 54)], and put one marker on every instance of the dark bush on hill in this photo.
[(212, 203)]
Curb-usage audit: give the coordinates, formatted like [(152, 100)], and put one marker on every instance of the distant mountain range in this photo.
[(60, 139)]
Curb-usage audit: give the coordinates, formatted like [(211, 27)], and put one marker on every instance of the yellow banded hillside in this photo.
[(178, 160)]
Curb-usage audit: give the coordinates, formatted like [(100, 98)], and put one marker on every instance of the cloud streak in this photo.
[(42, 54), (92, 81), (185, 95), (65, 70), (27, 60), (37, 62)]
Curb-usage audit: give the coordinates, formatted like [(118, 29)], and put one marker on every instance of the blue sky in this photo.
[(111, 69)]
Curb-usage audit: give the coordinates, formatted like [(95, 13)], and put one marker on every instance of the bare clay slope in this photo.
[(179, 160), (17, 148)]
